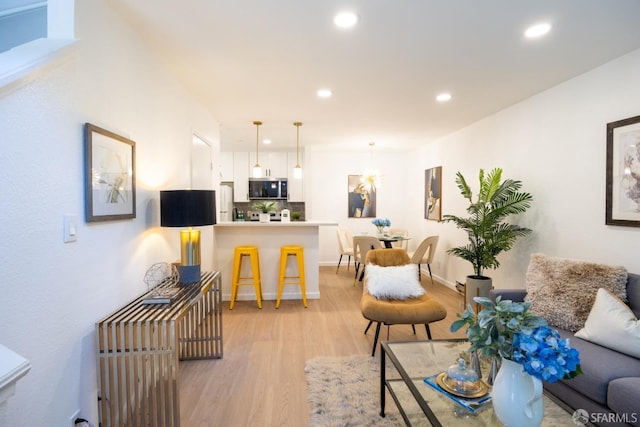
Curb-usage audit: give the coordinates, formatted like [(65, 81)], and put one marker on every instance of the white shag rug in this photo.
[(345, 392)]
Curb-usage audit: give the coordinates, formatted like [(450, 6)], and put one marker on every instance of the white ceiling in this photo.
[(264, 60)]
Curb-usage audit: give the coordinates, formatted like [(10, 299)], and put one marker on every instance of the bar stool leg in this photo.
[(237, 263), (257, 281), (303, 288), (283, 267)]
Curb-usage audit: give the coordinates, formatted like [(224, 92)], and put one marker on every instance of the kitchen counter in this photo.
[(269, 237), (275, 224)]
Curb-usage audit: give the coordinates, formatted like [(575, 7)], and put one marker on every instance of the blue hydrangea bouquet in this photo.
[(508, 330), (380, 223)]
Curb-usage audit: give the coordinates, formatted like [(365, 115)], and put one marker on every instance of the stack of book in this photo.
[(161, 295)]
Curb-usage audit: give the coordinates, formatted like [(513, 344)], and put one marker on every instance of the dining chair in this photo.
[(424, 254), (404, 243), (345, 242), (362, 245)]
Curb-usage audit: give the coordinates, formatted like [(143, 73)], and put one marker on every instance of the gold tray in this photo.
[(477, 389)]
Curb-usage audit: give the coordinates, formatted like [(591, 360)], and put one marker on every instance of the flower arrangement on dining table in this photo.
[(506, 329), (380, 223)]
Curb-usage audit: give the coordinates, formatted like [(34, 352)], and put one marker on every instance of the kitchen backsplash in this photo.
[(246, 207)]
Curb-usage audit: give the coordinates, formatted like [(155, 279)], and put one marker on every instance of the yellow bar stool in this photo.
[(298, 252), (238, 255)]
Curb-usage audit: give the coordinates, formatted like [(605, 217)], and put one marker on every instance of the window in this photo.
[(21, 21), (32, 34)]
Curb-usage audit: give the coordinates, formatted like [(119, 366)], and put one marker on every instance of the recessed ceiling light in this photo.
[(324, 93), (266, 141), (537, 30), (345, 19), (443, 97)]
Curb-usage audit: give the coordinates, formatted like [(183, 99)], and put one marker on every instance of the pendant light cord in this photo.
[(257, 123), (297, 125)]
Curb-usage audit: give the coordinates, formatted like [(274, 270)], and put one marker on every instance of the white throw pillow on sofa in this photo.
[(612, 324), (395, 282)]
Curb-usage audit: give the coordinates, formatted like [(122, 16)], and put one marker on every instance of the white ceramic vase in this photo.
[(517, 396)]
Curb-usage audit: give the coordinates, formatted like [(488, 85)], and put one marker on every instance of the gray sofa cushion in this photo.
[(599, 366), (624, 398), (577, 400)]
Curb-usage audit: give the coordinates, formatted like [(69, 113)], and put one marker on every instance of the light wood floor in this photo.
[(260, 380)]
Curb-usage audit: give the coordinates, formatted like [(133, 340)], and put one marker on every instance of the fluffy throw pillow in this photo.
[(563, 290), (396, 282), (612, 324)]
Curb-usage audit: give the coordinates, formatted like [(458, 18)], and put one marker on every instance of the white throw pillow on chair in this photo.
[(395, 282)]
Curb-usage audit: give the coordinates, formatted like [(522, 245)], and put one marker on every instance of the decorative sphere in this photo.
[(159, 273)]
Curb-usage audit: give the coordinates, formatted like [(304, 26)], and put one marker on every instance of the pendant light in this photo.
[(371, 177), (297, 170), (257, 170)]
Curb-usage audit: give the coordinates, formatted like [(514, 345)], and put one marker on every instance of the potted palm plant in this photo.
[(488, 233), (265, 207)]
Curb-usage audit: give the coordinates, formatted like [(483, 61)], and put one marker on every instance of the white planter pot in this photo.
[(264, 217), (476, 286)]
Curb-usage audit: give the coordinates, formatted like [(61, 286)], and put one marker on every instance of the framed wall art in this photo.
[(433, 193), (110, 175), (361, 197), (623, 173)]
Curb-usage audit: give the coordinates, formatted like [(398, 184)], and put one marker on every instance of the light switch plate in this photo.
[(70, 228)]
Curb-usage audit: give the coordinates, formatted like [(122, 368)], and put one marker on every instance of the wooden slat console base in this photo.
[(139, 347)]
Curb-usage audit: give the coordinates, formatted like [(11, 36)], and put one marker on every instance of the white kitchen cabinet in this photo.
[(273, 163), (226, 166), (296, 193), (241, 176)]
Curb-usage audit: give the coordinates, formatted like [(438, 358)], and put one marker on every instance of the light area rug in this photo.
[(345, 392)]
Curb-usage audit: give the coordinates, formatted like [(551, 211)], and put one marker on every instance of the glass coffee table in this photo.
[(421, 405)]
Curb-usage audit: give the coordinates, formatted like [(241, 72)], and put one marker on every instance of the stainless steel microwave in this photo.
[(268, 188)]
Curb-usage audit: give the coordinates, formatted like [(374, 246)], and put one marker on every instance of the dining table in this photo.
[(388, 240)]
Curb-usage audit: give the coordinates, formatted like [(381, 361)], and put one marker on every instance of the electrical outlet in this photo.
[(72, 418)]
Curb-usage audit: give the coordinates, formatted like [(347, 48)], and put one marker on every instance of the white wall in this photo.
[(555, 143), (52, 292)]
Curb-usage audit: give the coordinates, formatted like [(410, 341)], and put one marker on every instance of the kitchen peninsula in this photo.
[(268, 237)]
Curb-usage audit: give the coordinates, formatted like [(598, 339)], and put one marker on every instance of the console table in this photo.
[(139, 347)]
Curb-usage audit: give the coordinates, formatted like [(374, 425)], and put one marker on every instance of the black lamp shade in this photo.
[(187, 208)]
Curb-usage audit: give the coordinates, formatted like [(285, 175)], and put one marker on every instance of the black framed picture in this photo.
[(623, 173), (110, 175)]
